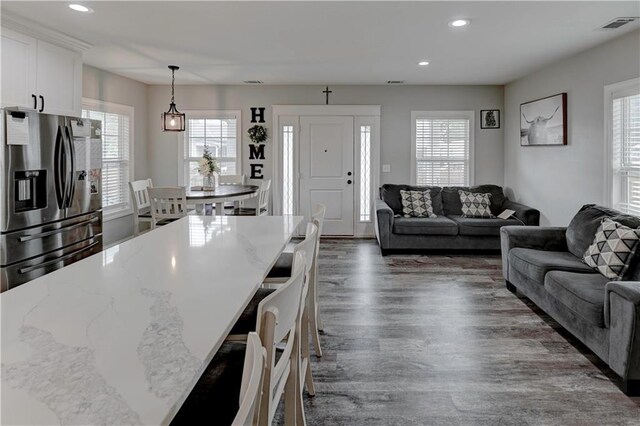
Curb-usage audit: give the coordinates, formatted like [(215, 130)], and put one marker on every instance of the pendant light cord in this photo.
[(173, 80)]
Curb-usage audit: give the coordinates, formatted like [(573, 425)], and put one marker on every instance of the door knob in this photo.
[(348, 173), (349, 181)]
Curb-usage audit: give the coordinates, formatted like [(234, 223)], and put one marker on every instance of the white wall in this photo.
[(109, 87), (558, 180), (397, 103)]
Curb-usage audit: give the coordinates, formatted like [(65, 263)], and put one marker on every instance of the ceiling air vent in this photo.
[(617, 23), (252, 82), (395, 82)]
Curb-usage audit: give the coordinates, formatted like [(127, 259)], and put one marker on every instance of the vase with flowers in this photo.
[(209, 169)]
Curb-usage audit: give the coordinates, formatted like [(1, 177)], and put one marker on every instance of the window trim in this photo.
[(211, 114), (610, 91), (467, 115), (121, 109)]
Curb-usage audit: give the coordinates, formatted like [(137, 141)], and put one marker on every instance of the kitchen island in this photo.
[(122, 337)]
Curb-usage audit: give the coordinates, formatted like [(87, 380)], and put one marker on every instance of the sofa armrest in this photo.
[(384, 223), (622, 317), (527, 215), (534, 237)]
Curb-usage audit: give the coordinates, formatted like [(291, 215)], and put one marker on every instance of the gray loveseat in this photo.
[(544, 264), (449, 230)]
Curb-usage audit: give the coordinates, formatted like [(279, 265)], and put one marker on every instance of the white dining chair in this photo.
[(230, 389), (252, 381), (257, 206), (277, 326), (168, 203), (140, 203)]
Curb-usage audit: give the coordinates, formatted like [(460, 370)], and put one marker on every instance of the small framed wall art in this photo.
[(490, 119), (544, 121)]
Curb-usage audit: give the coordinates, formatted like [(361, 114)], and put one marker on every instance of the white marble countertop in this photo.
[(121, 337)]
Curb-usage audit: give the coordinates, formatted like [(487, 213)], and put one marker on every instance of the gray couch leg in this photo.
[(512, 288), (630, 387)]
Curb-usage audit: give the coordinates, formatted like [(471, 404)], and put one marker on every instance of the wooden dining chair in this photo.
[(277, 326), (141, 203), (255, 360), (230, 390), (168, 203), (259, 207), (282, 270)]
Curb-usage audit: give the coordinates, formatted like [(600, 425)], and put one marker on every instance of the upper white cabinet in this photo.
[(59, 79), (19, 53), (40, 75)]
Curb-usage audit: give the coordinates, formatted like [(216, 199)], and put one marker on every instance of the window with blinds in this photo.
[(117, 144), (442, 146), (218, 132), (625, 144)]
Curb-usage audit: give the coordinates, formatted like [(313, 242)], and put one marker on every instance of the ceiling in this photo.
[(329, 42)]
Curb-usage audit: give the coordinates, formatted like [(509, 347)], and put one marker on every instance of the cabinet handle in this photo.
[(42, 103), (35, 101)]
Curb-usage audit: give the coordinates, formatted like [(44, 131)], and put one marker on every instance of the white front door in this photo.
[(327, 170)]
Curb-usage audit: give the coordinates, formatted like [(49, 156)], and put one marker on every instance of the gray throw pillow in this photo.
[(613, 249), (416, 204), (475, 204)]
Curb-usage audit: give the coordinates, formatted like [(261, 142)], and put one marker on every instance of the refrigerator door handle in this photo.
[(59, 179), (56, 260), (72, 168), (42, 103)]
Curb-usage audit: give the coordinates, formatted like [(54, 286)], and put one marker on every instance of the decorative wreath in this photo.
[(257, 134)]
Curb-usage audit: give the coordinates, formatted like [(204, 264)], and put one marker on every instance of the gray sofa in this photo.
[(544, 264), (449, 230)]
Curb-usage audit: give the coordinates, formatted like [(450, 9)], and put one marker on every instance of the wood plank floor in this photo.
[(438, 340)]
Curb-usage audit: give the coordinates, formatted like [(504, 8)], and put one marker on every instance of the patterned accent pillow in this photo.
[(475, 204), (613, 249), (416, 203)]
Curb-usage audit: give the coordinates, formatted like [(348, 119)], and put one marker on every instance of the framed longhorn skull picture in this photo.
[(544, 121)]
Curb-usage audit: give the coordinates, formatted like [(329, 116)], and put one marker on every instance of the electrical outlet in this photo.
[(386, 168)]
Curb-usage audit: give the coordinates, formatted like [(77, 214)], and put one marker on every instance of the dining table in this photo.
[(122, 337), (220, 195)]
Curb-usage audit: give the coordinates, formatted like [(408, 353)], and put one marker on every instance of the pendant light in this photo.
[(173, 120)]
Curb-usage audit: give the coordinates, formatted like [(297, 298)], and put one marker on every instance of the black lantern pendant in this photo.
[(173, 120)]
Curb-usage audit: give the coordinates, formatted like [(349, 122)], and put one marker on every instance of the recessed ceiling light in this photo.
[(80, 8), (457, 23), (423, 63)]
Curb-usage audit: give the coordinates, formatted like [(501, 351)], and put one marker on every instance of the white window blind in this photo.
[(219, 133), (625, 139), (442, 150), (117, 146)]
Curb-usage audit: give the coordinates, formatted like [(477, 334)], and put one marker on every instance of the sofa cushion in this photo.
[(453, 206), (536, 263), (584, 225), (482, 226), (581, 293), (390, 194), (416, 204), (425, 226)]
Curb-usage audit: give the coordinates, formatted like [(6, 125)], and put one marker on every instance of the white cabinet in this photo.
[(39, 75), (19, 54), (59, 79)]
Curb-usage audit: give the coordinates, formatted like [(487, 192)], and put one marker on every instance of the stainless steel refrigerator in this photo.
[(50, 205)]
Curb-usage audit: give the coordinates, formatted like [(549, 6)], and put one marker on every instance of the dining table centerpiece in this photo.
[(209, 169)]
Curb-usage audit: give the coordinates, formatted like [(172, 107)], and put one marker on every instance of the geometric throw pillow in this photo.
[(416, 203), (475, 204), (613, 249)]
